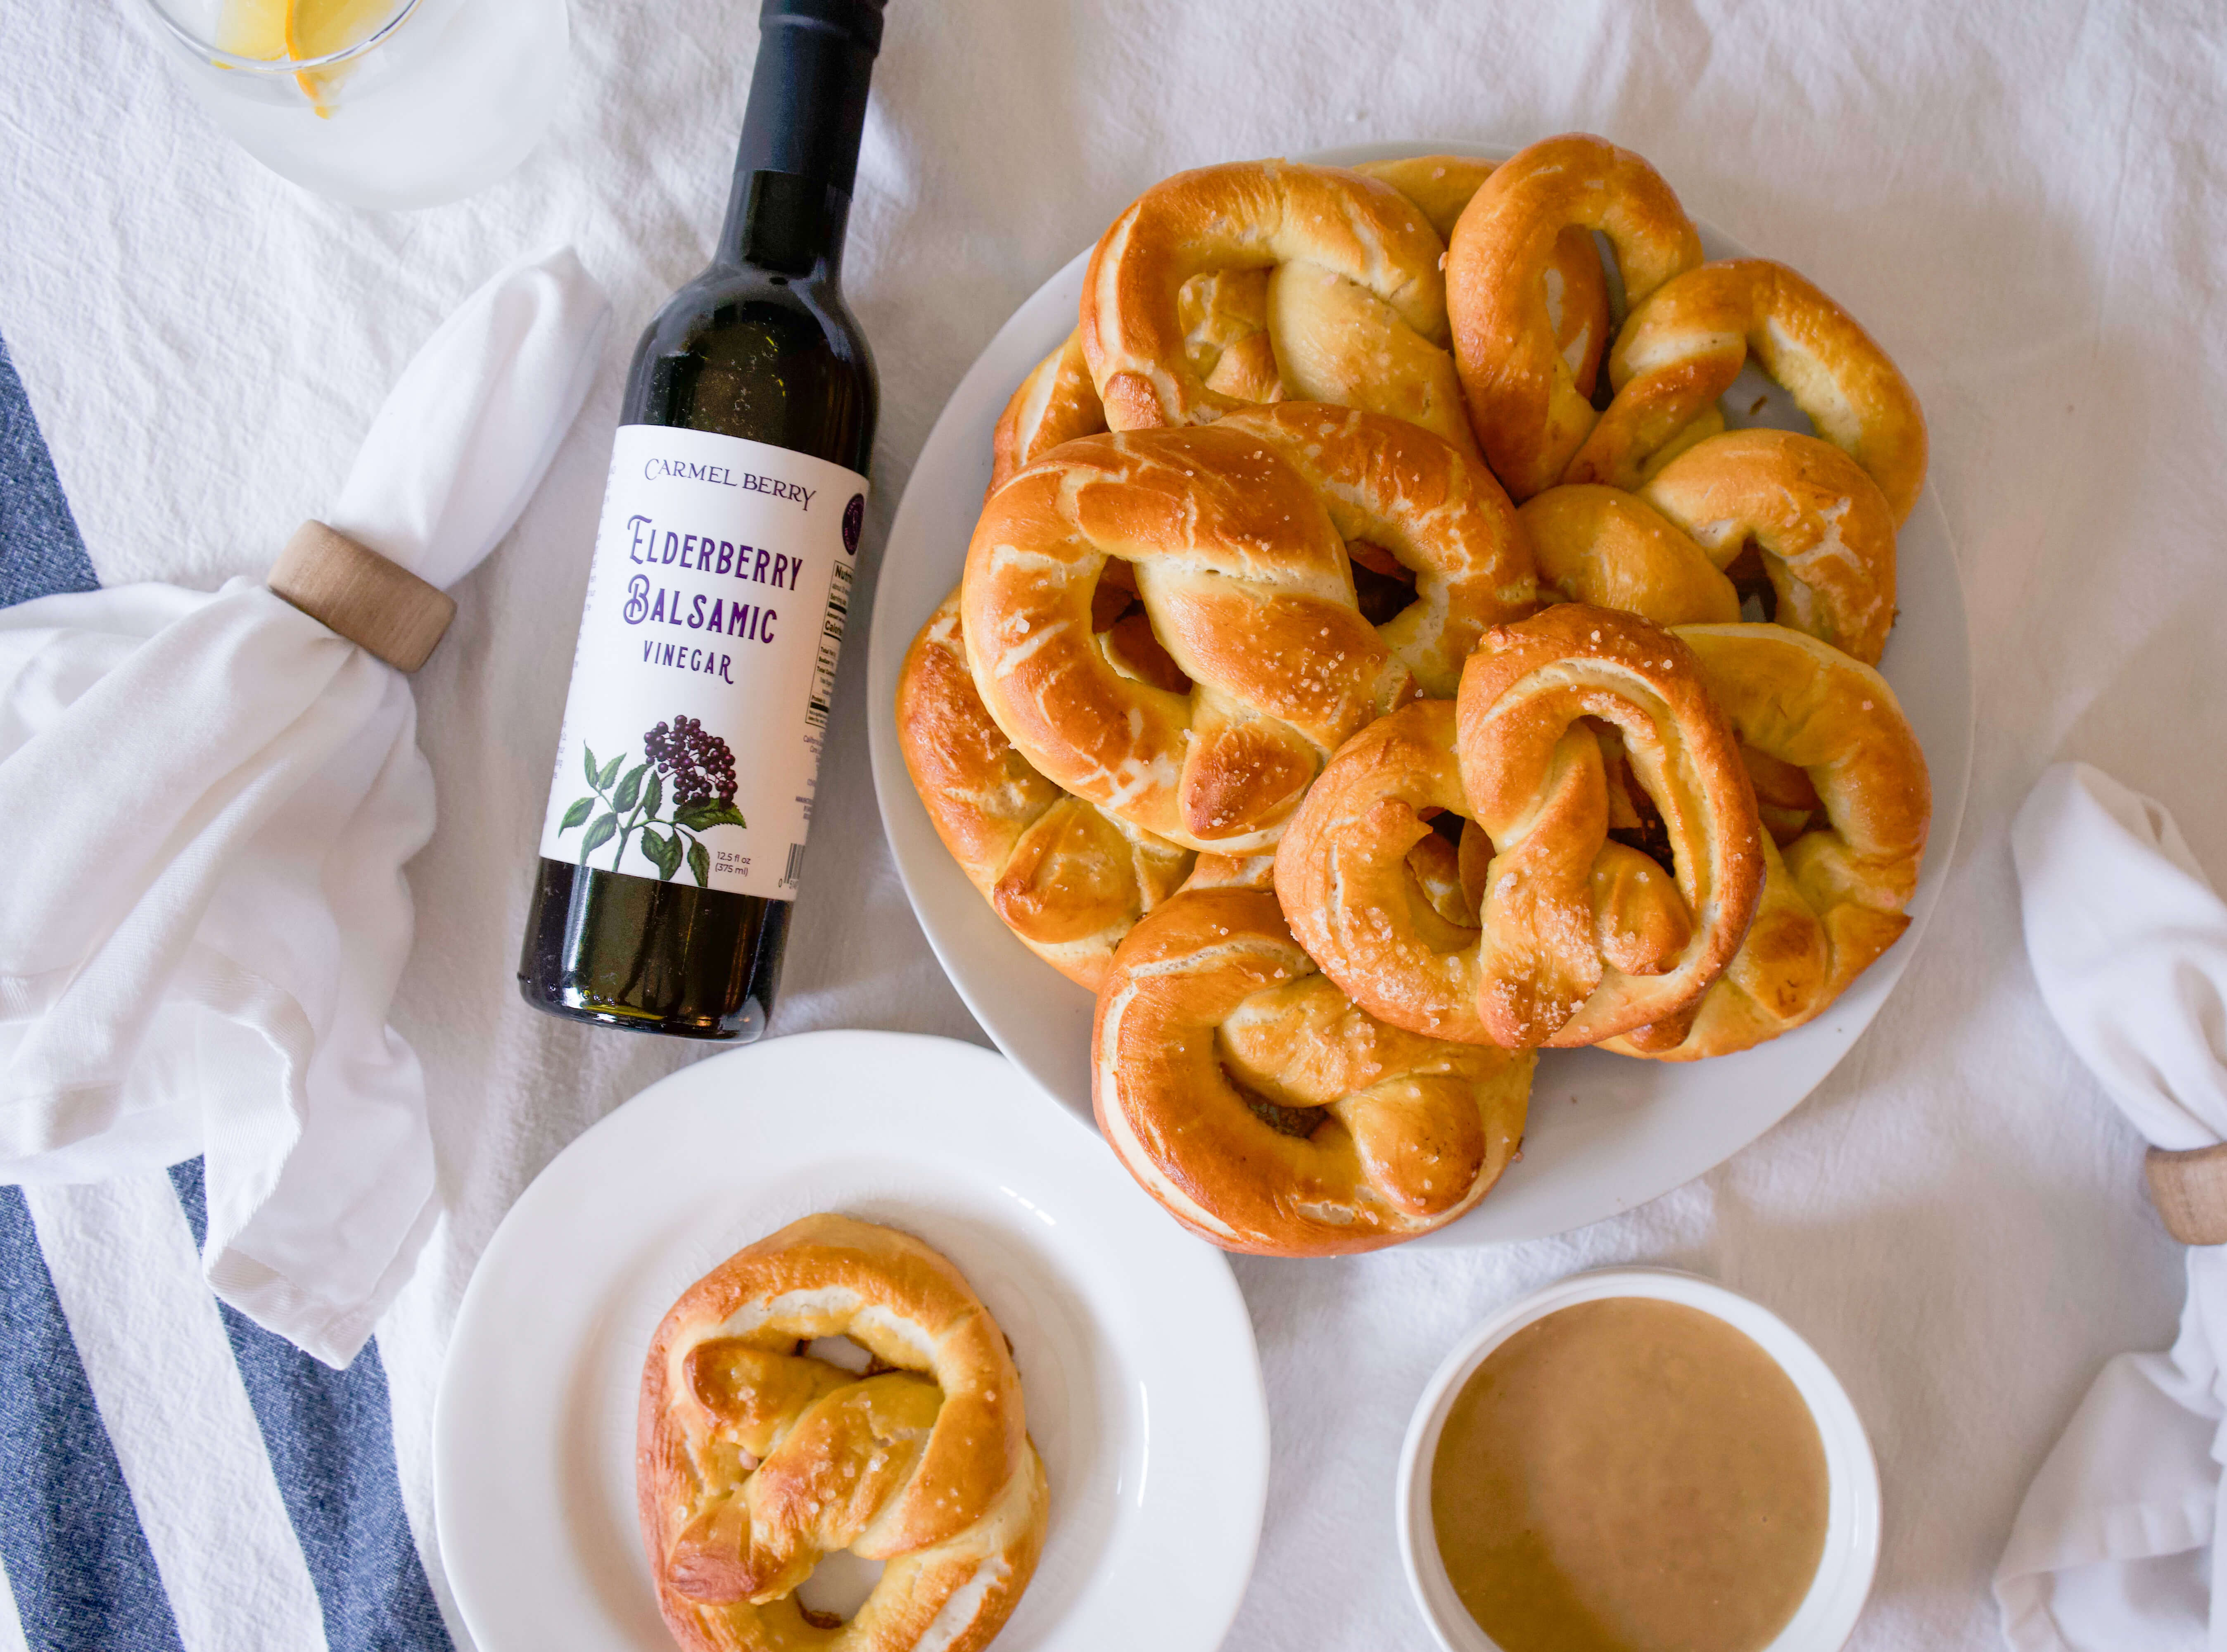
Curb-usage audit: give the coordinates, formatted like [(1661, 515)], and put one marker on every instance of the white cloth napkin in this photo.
[(2113, 1547), (206, 801)]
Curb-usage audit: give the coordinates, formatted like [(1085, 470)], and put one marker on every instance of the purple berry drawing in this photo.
[(682, 762)]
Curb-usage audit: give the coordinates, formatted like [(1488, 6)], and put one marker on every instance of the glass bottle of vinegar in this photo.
[(723, 571)]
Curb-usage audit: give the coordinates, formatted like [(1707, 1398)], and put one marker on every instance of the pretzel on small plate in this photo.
[(1266, 1110), (1841, 863), (1065, 877), (1559, 935), (1682, 347), (1530, 409), (755, 1459), (1234, 537)]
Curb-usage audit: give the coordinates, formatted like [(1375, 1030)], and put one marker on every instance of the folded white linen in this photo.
[(2113, 1546), (218, 795)]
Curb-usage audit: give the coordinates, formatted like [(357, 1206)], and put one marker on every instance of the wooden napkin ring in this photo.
[(353, 590), (2190, 1191)]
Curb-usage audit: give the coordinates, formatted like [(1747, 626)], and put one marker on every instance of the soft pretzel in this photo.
[(754, 1459), (1682, 347), (1821, 529), (1225, 320), (1267, 1111), (1576, 290), (1236, 535), (1067, 877), (1609, 548), (1354, 303), (1529, 410), (1054, 404), (1543, 801), (1391, 909), (1843, 869)]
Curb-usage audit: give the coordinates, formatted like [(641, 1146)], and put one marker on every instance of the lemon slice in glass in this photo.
[(297, 30)]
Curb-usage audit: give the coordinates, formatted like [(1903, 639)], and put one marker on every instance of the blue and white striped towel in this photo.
[(171, 1475)]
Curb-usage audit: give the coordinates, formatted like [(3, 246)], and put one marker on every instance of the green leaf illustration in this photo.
[(653, 795), (630, 792), (588, 756), (610, 774), (702, 817), (662, 852), (700, 862), (598, 835), (579, 812)]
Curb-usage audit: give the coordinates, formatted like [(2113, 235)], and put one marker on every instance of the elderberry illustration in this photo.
[(698, 764), (682, 756)]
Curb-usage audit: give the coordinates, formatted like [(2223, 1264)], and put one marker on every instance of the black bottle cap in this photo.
[(807, 102)]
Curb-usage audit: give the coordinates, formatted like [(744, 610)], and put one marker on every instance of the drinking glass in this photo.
[(376, 103)]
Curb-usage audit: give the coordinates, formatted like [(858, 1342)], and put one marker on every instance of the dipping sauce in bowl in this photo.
[(1638, 1461), (1630, 1475)]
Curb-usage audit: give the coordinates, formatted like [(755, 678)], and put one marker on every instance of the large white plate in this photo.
[(1136, 1355), (1639, 1128)]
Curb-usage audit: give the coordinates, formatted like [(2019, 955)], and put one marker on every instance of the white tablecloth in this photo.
[(2025, 202)]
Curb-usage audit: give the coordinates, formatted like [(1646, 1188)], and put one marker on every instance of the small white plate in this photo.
[(1827, 1613), (1639, 1128), (1136, 1355)]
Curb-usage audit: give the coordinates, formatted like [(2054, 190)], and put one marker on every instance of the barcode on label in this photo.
[(795, 864), (830, 646)]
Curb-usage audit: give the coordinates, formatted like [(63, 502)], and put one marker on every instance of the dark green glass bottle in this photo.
[(679, 925)]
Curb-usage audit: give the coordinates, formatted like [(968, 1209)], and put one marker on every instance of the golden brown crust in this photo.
[(1531, 774), (754, 1459), (1054, 404), (1683, 347), (1391, 910), (1067, 878), (1607, 547), (1528, 408), (1236, 535), (1577, 289), (1835, 898), (1438, 513), (1822, 528), (1355, 302), (1403, 1133)]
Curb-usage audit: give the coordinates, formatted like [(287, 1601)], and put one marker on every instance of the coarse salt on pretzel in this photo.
[(1235, 536), (1355, 303), (755, 1459), (1820, 530), (1842, 870), (1391, 908), (1682, 347), (1525, 692), (1267, 1112), (1068, 879), (1528, 408)]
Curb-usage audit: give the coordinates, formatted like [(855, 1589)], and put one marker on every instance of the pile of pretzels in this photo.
[(1358, 695)]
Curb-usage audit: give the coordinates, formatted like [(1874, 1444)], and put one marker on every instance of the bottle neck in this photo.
[(799, 154), (786, 223)]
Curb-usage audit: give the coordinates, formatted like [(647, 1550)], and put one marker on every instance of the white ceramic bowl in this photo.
[(1827, 1613)]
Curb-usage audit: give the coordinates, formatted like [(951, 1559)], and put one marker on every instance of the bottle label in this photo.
[(701, 688)]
